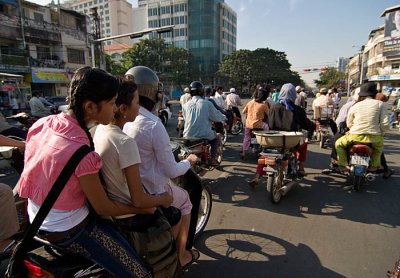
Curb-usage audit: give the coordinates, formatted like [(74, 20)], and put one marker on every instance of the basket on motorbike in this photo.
[(278, 139)]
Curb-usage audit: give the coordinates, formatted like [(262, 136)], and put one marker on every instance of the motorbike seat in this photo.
[(191, 141), (361, 149)]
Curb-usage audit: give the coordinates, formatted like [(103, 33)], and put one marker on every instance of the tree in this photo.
[(147, 52), (331, 78), (261, 66), (114, 67), (176, 65)]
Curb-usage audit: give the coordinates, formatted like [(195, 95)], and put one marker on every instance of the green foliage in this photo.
[(114, 67), (261, 66), (330, 78), (147, 52)]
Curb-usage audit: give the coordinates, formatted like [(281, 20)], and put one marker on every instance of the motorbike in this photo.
[(279, 160), (359, 156), (201, 148), (236, 123), (47, 260), (26, 120), (181, 124), (322, 116), (322, 131)]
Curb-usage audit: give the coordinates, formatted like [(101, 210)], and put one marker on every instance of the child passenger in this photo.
[(50, 143)]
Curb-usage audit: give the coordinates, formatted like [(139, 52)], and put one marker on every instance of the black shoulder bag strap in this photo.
[(48, 203)]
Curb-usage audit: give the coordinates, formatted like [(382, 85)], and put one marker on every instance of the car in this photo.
[(165, 114), (395, 92), (58, 100)]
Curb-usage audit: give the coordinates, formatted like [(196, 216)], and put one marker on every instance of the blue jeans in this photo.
[(100, 243)]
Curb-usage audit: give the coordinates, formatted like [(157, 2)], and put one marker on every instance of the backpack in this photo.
[(155, 245)]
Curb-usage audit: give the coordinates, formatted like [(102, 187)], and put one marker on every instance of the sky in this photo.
[(313, 33)]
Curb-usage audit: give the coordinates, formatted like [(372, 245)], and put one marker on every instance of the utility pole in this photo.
[(97, 35)]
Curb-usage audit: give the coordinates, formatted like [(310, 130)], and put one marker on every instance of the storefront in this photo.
[(51, 82), (13, 93)]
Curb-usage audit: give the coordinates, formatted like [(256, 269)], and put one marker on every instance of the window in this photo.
[(396, 66), (43, 53), (76, 56), (106, 11), (107, 18), (38, 17), (107, 24)]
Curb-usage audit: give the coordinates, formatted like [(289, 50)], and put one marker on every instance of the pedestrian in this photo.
[(299, 99)]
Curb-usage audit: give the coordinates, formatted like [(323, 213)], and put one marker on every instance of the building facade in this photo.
[(115, 17), (207, 28), (42, 44)]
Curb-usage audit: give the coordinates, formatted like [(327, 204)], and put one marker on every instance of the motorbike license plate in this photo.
[(360, 160), (253, 141)]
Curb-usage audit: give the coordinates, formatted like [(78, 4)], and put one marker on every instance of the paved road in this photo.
[(318, 229)]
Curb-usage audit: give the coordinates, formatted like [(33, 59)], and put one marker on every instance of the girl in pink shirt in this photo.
[(50, 143)]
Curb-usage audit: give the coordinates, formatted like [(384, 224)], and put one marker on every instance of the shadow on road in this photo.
[(240, 253)]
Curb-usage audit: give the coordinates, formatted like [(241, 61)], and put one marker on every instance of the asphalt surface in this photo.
[(317, 230)]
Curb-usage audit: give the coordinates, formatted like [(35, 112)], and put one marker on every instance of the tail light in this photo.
[(35, 271), (180, 114), (270, 161)]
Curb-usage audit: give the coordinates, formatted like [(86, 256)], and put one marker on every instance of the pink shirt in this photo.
[(50, 143)]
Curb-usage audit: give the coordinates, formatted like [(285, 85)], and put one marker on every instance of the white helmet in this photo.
[(232, 90), (187, 90)]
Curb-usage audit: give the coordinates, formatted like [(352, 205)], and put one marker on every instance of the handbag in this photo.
[(16, 267), (154, 243)]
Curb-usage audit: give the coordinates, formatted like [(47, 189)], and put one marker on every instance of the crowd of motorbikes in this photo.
[(276, 153)]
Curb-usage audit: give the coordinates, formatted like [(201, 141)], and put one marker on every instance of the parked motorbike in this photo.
[(47, 260), (26, 120), (280, 161)]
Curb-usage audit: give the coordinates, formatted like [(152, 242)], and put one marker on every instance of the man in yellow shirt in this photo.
[(367, 121)]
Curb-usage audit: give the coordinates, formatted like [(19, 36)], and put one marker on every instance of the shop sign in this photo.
[(46, 75)]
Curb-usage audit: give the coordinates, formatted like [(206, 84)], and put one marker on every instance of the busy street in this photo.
[(317, 230), (207, 138)]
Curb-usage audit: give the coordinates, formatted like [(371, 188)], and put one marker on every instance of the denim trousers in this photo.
[(101, 243)]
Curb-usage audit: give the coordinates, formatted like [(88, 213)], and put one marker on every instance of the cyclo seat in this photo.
[(361, 149), (322, 113), (191, 141)]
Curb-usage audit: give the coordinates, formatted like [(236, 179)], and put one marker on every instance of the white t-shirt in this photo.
[(118, 151)]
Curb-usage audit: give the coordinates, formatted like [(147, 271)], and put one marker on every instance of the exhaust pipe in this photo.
[(285, 189), (370, 177)]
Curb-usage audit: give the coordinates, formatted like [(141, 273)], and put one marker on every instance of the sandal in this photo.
[(253, 183), (195, 256)]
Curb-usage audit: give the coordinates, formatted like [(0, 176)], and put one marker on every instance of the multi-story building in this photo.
[(115, 16), (379, 59), (207, 28), (43, 45), (341, 64)]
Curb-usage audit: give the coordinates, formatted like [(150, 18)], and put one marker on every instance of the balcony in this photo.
[(39, 32), (47, 63), (14, 60)]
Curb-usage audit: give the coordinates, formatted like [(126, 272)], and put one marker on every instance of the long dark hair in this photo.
[(126, 93), (92, 84)]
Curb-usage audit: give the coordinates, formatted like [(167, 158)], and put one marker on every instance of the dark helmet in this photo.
[(368, 89), (208, 90), (196, 88), (147, 82)]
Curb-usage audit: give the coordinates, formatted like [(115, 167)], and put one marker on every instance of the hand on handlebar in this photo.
[(192, 158)]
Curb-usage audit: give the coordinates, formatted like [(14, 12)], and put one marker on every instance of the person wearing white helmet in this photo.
[(233, 102), (324, 101), (185, 97), (299, 99)]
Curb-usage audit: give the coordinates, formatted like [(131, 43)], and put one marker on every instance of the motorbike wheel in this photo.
[(318, 135), (224, 136), (322, 142), (237, 128), (164, 118), (204, 210), (219, 152), (357, 180), (274, 185)]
